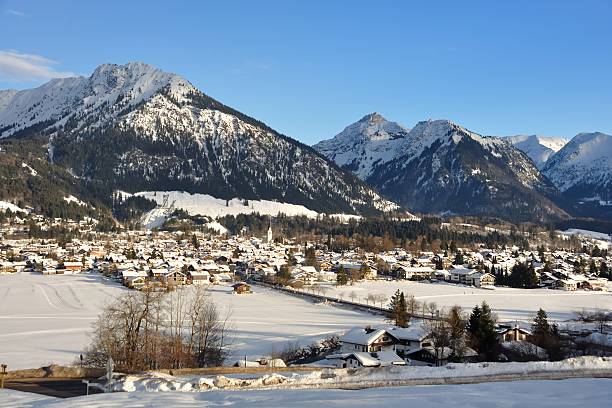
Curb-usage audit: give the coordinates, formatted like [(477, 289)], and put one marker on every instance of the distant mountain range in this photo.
[(136, 128), (439, 166)]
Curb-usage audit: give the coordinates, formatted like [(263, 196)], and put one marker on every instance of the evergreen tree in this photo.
[(457, 330), (487, 337), (545, 335), (195, 242), (593, 268), (481, 330), (284, 275), (311, 258), (341, 276), (398, 309)]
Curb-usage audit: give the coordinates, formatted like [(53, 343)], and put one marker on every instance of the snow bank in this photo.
[(591, 392), (337, 378)]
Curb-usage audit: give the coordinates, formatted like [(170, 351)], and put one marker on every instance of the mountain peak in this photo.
[(538, 148)]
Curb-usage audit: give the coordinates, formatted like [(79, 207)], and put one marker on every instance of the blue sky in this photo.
[(310, 68)]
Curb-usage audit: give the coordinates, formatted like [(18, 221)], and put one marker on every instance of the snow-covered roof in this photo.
[(362, 336)]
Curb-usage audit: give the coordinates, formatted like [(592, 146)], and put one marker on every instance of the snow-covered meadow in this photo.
[(507, 303), (204, 204), (595, 392), (47, 318)]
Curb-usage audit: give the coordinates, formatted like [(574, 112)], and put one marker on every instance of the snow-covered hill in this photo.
[(582, 169), (137, 128), (439, 166), (538, 148)]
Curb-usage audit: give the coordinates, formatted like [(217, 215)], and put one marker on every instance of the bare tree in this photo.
[(433, 309), (381, 298), (439, 335), (151, 330)]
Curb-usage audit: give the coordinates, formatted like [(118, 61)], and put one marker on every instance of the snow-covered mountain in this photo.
[(362, 146), (137, 128), (439, 166), (538, 148), (582, 169)]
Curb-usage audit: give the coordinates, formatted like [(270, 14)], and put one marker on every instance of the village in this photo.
[(164, 261)]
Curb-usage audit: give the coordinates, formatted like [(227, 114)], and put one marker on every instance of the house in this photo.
[(511, 333), (462, 275), (362, 359), (430, 357), (596, 284), (198, 277), (567, 284), (414, 272), (7, 268), (482, 279), (174, 277), (367, 340), (71, 267), (241, 287)]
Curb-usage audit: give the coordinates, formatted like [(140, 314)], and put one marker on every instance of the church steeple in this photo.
[(270, 232)]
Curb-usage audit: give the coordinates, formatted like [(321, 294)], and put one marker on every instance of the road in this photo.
[(53, 387)]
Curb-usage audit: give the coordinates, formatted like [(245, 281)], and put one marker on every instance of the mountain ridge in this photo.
[(135, 127), (440, 166)]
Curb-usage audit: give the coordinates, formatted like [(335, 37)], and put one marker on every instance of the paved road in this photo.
[(53, 387)]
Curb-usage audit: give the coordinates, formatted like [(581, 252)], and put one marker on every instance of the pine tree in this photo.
[(593, 268), (341, 276), (487, 337), (473, 326), (284, 274), (540, 326), (459, 258), (457, 328), (398, 309)]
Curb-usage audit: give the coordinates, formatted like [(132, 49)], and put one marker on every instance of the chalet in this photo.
[(414, 272), (363, 359), (71, 267), (367, 340), (567, 284), (482, 279), (198, 277), (308, 275), (174, 277), (511, 333)]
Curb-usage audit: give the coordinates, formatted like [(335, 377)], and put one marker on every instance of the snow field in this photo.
[(47, 319), (508, 303)]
